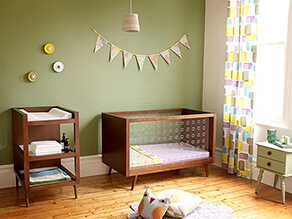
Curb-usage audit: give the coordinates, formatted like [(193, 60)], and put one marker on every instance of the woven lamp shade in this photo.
[(131, 23)]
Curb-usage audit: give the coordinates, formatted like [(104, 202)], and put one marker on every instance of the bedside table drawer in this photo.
[(271, 153), (271, 165)]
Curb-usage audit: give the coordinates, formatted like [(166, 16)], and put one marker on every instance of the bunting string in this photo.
[(127, 56)]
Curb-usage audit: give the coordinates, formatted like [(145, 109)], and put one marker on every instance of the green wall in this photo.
[(89, 83)]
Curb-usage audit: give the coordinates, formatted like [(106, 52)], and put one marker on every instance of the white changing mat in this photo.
[(53, 114), (175, 152)]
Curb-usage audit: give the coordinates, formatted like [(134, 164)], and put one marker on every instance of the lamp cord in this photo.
[(131, 6)]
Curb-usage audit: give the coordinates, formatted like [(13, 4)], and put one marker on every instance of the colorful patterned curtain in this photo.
[(240, 66)]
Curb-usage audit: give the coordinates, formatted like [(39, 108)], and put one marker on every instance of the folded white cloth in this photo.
[(46, 146), (47, 150), (45, 143), (37, 148)]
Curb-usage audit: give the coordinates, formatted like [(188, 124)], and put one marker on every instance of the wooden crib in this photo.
[(142, 142)]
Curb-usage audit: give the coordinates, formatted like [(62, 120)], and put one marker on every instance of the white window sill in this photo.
[(272, 124)]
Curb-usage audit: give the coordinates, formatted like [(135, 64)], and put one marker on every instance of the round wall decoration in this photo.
[(33, 76), (49, 48), (58, 66)]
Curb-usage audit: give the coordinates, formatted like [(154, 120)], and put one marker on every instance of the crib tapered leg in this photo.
[(109, 171), (206, 169), (134, 182)]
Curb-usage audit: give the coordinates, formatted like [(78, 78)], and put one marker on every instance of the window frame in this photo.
[(287, 73)]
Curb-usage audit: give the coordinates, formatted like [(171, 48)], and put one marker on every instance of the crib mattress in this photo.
[(168, 153)]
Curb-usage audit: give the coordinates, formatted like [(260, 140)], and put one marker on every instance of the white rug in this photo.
[(206, 210)]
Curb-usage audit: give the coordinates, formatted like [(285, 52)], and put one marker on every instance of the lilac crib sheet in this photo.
[(175, 152)]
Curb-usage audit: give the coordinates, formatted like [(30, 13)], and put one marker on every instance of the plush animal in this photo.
[(153, 207)]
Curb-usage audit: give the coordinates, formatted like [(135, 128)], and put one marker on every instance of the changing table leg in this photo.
[(16, 181), (75, 191), (206, 169), (134, 182), (27, 199), (109, 171)]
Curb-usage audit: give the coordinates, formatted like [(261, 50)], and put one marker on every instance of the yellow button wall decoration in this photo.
[(49, 48), (33, 76)]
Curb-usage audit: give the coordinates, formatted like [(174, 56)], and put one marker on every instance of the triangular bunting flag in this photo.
[(176, 50), (114, 52), (140, 60), (154, 60), (185, 42), (127, 58), (166, 56), (100, 42)]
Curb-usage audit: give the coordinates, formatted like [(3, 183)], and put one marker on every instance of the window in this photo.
[(274, 61)]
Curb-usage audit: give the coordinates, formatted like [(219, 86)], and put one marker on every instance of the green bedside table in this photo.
[(276, 160)]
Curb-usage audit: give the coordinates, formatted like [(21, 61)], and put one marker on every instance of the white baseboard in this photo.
[(89, 166), (218, 157), (268, 177), (92, 165), (7, 176)]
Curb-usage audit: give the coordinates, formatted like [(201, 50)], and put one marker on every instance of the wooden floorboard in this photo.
[(106, 196)]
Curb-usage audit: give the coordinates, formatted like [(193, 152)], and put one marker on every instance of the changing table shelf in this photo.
[(45, 157), (47, 185), (52, 156)]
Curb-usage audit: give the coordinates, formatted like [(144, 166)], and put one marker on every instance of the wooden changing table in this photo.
[(25, 131)]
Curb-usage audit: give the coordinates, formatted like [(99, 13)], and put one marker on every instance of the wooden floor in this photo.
[(109, 197)]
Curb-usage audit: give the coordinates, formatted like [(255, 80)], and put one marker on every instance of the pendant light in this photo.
[(131, 21)]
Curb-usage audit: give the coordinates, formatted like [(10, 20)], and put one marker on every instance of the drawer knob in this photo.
[(269, 164), (269, 153)]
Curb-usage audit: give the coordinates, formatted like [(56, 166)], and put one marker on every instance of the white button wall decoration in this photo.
[(58, 66)]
